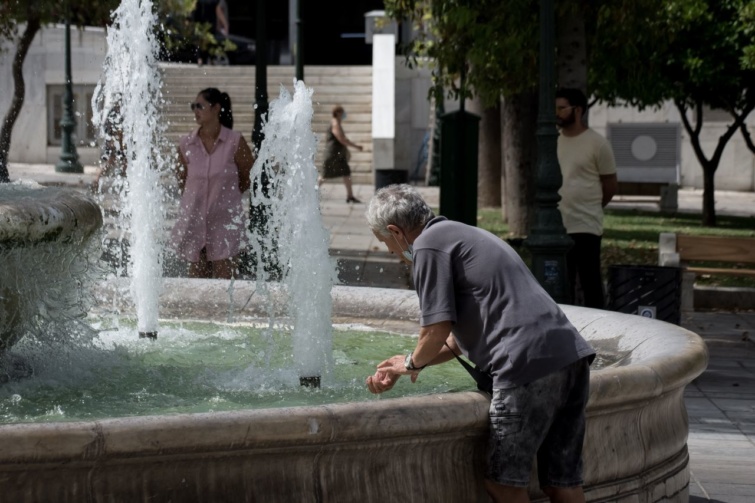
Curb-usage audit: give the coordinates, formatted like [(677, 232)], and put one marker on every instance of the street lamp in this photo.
[(298, 54), (548, 241), (69, 159)]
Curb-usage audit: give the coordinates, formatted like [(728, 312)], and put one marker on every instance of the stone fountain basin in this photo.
[(421, 448)]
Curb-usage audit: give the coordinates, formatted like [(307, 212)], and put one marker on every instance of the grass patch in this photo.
[(631, 237)]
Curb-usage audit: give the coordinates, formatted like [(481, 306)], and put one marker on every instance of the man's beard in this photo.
[(566, 121)]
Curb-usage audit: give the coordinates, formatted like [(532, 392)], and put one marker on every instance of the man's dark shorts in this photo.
[(543, 419)]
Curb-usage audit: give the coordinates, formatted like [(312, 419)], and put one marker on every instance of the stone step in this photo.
[(362, 138), (349, 86), (312, 74), (358, 107), (189, 85), (361, 121)]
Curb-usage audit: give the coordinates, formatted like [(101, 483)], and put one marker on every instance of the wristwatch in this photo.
[(409, 364)]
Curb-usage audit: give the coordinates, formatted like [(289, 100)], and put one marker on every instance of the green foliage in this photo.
[(178, 30), (493, 43), (82, 12), (641, 52), (181, 33), (689, 51)]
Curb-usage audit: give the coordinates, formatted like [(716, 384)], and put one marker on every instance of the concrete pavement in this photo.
[(720, 403)]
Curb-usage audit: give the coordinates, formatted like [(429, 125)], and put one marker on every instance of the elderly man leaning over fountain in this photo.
[(478, 298)]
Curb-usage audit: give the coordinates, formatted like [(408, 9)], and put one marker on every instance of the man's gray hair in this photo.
[(399, 205)]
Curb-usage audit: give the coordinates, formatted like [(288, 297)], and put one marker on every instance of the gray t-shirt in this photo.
[(503, 320)]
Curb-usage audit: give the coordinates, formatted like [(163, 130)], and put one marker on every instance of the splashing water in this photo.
[(289, 241), (294, 242), (127, 98)]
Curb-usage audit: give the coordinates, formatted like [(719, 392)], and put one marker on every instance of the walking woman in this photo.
[(215, 168), (337, 154)]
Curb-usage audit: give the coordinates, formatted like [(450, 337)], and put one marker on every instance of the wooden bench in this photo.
[(681, 250)]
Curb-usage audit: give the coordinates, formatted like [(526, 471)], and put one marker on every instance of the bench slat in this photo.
[(728, 272), (715, 249)]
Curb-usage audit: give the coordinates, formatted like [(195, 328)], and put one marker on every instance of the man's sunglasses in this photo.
[(198, 106)]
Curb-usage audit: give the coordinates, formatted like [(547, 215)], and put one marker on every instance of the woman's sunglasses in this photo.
[(197, 106)]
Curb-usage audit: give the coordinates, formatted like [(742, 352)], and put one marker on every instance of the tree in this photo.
[(30, 16), (494, 43), (697, 53)]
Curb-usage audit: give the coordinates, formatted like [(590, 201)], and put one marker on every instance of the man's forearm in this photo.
[(443, 356), (431, 348)]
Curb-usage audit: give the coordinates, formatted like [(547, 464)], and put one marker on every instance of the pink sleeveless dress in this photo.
[(211, 215)]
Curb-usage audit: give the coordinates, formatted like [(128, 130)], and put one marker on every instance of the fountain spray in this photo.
[(294, 243), (130, 90)]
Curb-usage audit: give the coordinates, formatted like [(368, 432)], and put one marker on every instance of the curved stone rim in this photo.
[(636, 423), (41, 214)]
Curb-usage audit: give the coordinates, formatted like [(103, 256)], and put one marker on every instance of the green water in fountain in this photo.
[(201, 367)]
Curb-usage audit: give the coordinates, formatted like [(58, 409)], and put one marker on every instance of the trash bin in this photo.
[(385, 177), (650, 291)]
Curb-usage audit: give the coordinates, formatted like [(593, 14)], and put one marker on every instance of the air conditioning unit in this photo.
[(648, 153)]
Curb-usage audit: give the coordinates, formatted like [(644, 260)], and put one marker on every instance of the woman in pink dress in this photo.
[(215, 168)]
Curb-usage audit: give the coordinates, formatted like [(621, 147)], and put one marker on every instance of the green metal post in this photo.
[(260, 76), (548, 241), (298, 54), (69, 158), (258, 215)]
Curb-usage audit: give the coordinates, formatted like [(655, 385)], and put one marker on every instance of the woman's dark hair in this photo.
[(214, 96)]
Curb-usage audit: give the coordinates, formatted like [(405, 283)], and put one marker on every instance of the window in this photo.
[(84, 132)]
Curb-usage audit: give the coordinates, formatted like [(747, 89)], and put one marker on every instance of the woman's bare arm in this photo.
[(183, 166), (335, 126), (244, 159)]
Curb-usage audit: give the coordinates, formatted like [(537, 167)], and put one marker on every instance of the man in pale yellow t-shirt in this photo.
[(589, 183)]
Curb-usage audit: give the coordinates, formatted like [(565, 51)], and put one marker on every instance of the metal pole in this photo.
[(548, 240), (299, 43), (69, 158), (260, 78)]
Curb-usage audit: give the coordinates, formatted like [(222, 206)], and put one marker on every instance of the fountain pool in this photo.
[(199, 367)]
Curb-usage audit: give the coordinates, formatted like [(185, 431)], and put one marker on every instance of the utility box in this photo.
[(649, 291), (459, 134), (648, 160)]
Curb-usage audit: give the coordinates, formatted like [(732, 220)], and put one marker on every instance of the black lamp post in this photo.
[(260, 76), (548, 241), (298, 54), (69, 159), (258, 214)]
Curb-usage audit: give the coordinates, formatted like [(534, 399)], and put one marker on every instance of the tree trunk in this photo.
[(709, 199), (488, 155), (572, 50), (502, 140), (19, 93), (520, 160)]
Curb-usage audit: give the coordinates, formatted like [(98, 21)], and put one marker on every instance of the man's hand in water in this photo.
[(381, 381), (388, 373)]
